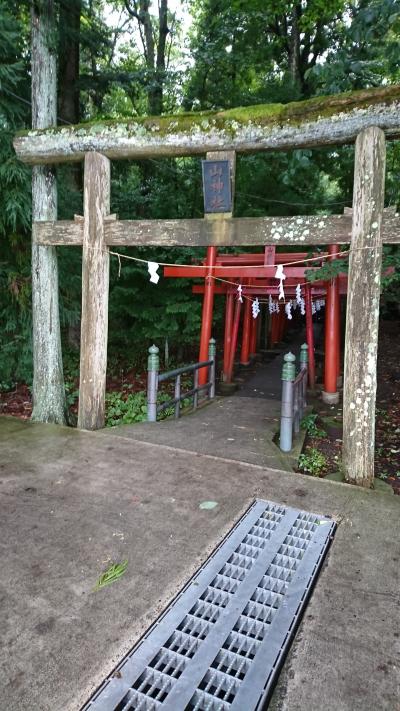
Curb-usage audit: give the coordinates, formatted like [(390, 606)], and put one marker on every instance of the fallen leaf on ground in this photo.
[(208, 505)]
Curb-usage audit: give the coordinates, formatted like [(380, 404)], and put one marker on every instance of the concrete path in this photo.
[(73, 501), (241, 427)]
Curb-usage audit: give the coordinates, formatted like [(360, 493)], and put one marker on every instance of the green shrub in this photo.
[(308, 423), (312, 461), (125, 409)]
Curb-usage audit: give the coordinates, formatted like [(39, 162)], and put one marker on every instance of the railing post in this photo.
[(288, 376), (195, 386), (212, 350), (177, 396), (304, 366), (153, 365)]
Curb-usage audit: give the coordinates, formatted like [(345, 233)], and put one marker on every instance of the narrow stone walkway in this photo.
[(263, 380)]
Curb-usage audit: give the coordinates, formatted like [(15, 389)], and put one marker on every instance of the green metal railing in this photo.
[(154, 378)]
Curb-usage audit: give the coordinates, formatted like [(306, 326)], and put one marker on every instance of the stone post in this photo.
[(288, 376), (153, 365), (304, 366), (212, 350), (177, 395)]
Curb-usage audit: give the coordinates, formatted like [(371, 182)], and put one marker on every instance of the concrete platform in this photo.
[(74, 501), (239, 428)]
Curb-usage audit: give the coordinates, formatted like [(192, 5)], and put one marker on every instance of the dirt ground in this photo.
[(387, 435)]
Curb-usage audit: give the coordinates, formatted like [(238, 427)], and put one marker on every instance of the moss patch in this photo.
[(294, 113)]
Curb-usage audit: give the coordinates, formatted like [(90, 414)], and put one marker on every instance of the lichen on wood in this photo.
[(362, 321), (325, 120), (48, 382), (199, 232), (95, 281)]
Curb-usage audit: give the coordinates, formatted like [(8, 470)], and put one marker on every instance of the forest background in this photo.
[(141, 57)]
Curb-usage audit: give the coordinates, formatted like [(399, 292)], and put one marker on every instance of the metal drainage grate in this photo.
[(219, 645)]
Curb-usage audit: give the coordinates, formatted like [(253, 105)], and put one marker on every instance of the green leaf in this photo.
[(113, 573)]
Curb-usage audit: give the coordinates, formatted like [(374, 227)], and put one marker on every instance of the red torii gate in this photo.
[(256, 272)]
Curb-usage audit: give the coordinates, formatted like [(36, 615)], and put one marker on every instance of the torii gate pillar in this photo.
[(95, 283), (362, 323)]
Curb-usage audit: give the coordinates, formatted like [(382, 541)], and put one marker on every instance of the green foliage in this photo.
[(123, 409), (357, 60), (383, 475), (11, 65), (312, 461), (329, 270), (71, 393), (15, 215), (243, 49), (308, 423)]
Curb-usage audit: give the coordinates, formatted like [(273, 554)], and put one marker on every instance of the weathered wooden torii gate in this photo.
[(364, 117)]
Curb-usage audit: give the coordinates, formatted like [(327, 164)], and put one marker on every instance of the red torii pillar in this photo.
[(245, 351), (229, 308), (339, 381), (234, 339), (310, 336), (254, 335), (330, 394), (274, 333), (207, 313)]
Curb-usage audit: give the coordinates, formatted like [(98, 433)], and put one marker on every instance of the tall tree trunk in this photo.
[(68, 73), (153, 49), (68, 53), (157, 97), (48, 382), (294, 48)]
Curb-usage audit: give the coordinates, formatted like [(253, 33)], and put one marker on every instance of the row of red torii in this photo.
[(253, 273)]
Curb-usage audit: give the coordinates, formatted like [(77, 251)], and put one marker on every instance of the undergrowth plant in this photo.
[(125, 409), (312, 461), (308, 423)]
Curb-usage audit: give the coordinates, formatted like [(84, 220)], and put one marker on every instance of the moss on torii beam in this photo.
[(321, 121)]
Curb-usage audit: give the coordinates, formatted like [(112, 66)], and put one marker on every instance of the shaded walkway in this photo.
[(263, 380)]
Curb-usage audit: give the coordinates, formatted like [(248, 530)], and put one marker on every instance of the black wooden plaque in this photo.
[(217, 186)]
